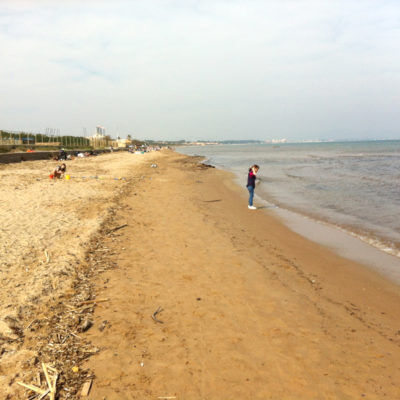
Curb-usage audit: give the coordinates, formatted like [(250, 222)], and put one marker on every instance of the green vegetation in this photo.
[(22, 141)]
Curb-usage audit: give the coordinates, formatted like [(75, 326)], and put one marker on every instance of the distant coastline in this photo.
[(272, 141)]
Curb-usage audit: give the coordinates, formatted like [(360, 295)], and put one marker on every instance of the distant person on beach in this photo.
[(62, 155), (251, 184), (59, 171)]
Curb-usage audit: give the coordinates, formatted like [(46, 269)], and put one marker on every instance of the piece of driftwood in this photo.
[(31, 387), (30, 323), (154, 315), (54, 389), (93, 301), (117, 228), (73, 334), (46, 375), (47, 256), (86, 388), (51, 386), (44, 394)]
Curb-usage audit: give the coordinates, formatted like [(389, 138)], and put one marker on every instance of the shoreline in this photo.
[(250, 309), (343, 241)]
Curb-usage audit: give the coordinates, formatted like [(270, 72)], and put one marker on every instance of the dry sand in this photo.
[(45, 227), (251, 310)]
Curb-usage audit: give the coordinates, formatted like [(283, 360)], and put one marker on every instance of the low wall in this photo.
[(7, 158)]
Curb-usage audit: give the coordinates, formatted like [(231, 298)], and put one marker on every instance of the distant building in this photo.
[(122, 143), (276, 141), (100, 130)]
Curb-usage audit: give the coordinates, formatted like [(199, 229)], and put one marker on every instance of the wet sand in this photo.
[(250, 309)]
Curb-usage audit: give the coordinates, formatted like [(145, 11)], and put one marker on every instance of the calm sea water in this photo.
[(354, 186)]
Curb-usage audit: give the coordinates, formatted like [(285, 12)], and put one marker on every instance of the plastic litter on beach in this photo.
[(153, 166)]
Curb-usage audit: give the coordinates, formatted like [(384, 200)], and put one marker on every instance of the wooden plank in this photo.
[(86, 388)]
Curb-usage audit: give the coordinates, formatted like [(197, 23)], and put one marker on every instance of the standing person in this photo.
[(251, 184)]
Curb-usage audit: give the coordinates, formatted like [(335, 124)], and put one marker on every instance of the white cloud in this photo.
[(208, 69)]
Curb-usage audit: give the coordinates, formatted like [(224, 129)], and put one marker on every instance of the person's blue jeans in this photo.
[(251, 192)]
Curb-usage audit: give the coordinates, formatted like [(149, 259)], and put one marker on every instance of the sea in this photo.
[(340, 194)]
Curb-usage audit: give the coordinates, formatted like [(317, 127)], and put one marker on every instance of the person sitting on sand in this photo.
[(59, 171), (251, 184)]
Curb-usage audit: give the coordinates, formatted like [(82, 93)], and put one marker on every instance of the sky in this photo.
[(209, 69)]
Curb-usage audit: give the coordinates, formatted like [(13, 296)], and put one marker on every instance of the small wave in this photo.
[(392, 250), (380, 244)]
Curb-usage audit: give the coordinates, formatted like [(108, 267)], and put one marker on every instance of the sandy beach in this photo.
[(247, 309), (45, 230)]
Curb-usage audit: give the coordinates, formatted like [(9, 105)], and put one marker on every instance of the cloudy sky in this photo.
[(202, 69)]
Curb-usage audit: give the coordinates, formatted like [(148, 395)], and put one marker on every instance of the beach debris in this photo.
[(153, 166), (47, 256), (10, 328), (86, 325), (117, 228), (44, 394), (93, 301), (51, 375), (30, 324), (204, 166), (86, 388), (154, 315), (166, 397), (75, 369), (103, 325)]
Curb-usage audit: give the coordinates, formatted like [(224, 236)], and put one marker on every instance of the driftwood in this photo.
[(47, 256), (31, 387), (86, 388), (34, 320), (117, 228), (44, 394), (51, 386), (93, 301)]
